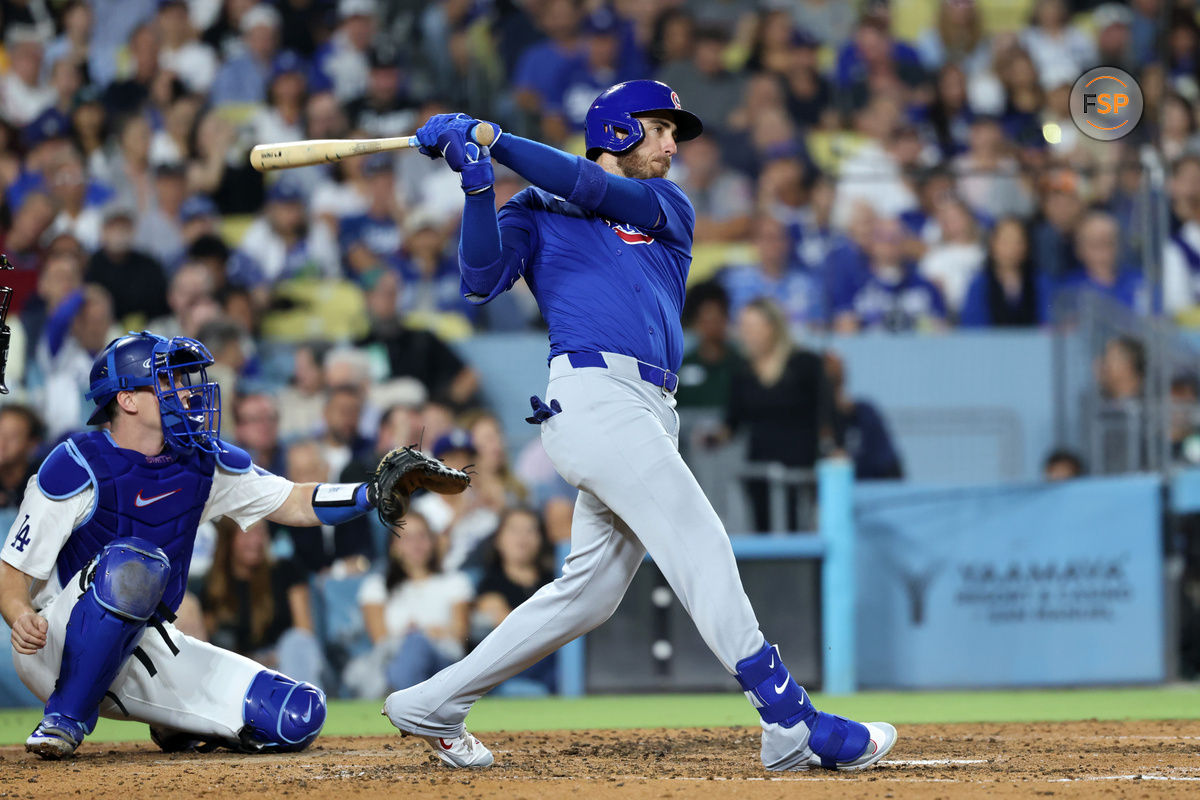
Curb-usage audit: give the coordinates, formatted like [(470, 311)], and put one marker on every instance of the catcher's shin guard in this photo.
[(128, 579)]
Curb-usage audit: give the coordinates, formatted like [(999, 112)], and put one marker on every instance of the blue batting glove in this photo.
[(471, 161), (438, 124)]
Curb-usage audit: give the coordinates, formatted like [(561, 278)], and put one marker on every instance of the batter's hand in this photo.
[(438, 124), (29, 633), (471, 161)]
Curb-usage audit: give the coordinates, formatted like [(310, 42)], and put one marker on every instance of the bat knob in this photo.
[(484, 134)]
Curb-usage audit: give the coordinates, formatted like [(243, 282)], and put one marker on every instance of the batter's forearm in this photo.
[(479, 250), (578, 180)]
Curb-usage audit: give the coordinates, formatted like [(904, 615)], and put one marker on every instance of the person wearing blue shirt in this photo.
[(604, 243), (893, 297), (1097, 248), (799, 291)]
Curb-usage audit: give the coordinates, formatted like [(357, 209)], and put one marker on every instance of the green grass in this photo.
[(356, 718)]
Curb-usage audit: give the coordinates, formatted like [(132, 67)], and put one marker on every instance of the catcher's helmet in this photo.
[(189, 403), (614, 111)]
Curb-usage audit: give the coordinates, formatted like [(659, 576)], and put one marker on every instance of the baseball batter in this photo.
[(604, 243), (96, 563)]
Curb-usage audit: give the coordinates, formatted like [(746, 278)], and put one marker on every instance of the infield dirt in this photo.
[(1077, 759)]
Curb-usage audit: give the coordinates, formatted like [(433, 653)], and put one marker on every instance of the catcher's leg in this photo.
[(603, 560), (102, 629)]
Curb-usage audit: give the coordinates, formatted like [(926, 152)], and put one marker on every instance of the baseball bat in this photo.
[(286, 155)]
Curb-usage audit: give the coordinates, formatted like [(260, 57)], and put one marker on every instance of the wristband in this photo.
[(335, 503)]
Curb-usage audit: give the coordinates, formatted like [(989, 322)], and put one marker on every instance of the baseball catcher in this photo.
[(95, 565)]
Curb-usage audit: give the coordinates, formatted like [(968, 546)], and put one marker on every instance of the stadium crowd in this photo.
[(866, 167)]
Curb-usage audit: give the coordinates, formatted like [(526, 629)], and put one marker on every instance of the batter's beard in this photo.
[(638, 165)]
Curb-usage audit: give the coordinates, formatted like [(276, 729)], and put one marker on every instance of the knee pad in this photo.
[(281, 714), (131, 576)]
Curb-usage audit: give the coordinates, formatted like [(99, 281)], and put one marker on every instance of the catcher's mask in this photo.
[(176, 369)]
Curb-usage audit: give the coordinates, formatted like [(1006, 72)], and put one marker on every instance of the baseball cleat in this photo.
[(55, 737), (782, 750), (461, 752)]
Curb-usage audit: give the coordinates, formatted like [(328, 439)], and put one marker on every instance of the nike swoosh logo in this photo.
[(307, 715), (142, 502), (779, 689), (445, 746), (772, 664)]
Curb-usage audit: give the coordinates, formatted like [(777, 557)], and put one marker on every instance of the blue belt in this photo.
[(663, 379)]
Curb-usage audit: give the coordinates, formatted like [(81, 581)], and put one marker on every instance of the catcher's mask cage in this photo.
[(176, 371)]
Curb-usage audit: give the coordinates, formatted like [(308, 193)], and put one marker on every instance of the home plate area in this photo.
[(1075, 759)]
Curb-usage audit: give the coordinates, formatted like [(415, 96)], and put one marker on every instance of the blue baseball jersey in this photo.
[(602, 285)]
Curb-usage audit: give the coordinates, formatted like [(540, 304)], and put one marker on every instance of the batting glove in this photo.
[(438, 124), (471, 161)]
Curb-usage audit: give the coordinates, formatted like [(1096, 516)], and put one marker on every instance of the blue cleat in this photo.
[(55, 737)]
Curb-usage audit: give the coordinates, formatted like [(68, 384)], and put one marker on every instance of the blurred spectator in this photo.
[(462, 522), (1057, 46), (893, 296), (341, 442), (1063, 465), (368, 238), (796, 289), (282, 119), (1113, 23), (282, 244), (705, 86), (706, 374), (1097, 249), (159, 231), (1184, 419), (130, 170), (859, 429), (1178, 135), (325, 548), (135, 281), (243, 78), (301, 401), (190, 297), (76, 331), (1122, 369), (781, 399), (256, 429), (343, 59), (71, 45), (113, 21), (260, 607), (1054, 231), (872, 62), (600, 66), (388, 106), (957, 38), (538, 77), (953, 263), (1181, 255), (1009, 291), (23, 95), (813, 235), (182, 53), (517, 566), (1144, 24), (68, 186), (723, 199), (417, 615), (950, 114), (129, 93), (493, 475), (416, 353), (827, 20), (21, 434), (872, 173), (988, 178)]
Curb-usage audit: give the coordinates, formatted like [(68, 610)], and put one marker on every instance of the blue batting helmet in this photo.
[(613, 111), (176, 369)]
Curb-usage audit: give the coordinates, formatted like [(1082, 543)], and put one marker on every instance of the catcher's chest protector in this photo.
[(156, 498)]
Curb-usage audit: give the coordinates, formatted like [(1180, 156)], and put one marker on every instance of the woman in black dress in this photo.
[(781, 400)]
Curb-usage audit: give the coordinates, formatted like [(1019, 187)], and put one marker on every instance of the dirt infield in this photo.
[(1079, 759)]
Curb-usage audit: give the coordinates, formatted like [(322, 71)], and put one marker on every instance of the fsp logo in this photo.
[(1106, 103)]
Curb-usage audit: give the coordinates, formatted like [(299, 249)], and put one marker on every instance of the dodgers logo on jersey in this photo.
[(630, 234)]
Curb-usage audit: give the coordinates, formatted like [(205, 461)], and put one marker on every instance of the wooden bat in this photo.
[(286, 155)]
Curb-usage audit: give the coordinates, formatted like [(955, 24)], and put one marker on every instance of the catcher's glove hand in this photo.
[(404, 470)]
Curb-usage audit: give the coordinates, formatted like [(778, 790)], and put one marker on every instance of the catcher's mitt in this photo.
[(404, 470)]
